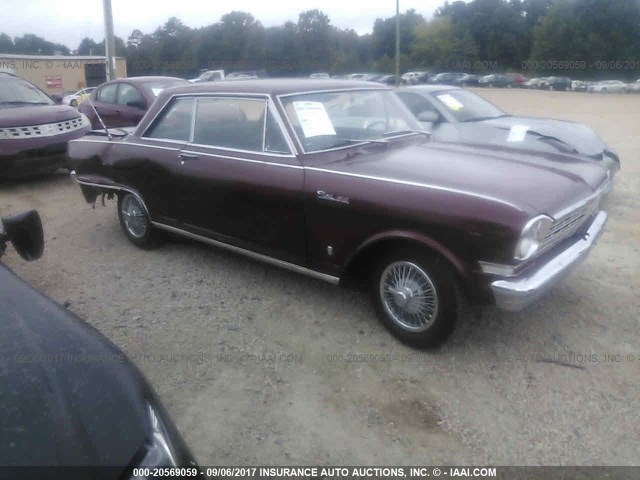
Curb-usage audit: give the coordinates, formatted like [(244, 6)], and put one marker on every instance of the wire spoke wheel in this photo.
[(134, 216), (409, 296)]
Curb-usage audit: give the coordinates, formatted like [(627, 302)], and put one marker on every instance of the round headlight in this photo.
[(532, 236)]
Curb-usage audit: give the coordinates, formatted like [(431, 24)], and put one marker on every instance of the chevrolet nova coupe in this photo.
[(336, 180)]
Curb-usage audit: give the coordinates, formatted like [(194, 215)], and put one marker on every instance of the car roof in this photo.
[(276, 86), (144, 79)]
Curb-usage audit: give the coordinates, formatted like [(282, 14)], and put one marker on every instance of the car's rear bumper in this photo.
[(516, 293)]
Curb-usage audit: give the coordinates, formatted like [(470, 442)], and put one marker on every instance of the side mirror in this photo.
[(428, 116), (137, 104), (24, 230)]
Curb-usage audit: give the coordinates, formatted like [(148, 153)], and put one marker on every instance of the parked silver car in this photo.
[(608, 86)]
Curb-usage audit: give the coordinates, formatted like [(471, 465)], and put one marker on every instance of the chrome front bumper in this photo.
[(518, 292)]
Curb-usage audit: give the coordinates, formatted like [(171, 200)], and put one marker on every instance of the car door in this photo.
[(157, 160), (106, 103), (131, 106), (245, 184)]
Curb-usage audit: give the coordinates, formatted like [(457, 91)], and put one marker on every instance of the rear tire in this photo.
[(415, 297), (135, 221)]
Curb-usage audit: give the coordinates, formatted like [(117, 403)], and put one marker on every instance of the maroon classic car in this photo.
[(34, 131), (336, 180), (123, 102)]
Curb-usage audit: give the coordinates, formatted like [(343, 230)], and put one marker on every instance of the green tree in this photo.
[(6, 44), (440, 45)]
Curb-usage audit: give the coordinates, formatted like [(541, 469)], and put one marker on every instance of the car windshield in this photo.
[(16, 92), (329, 120), (466, 106), (156, 86)]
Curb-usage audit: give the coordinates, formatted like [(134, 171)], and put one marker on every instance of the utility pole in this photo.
[(109, 43), (397, 43)]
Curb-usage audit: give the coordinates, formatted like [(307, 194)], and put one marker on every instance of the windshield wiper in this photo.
[(480, 119), (349, 141), (406, 132)]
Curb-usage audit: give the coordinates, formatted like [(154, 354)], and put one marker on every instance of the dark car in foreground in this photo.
[(457, 115), (336, 180), (34, 130), (71, 398), (123, 102)]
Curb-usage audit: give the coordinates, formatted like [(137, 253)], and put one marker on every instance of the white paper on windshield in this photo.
[(451, 102), (156, 91), (314, 119), (517, 133)]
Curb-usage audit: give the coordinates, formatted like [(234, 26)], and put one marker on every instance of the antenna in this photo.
[(99, 118)]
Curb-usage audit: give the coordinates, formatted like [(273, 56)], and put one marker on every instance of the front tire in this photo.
[(74, 103), (135, 221), (415, 297)]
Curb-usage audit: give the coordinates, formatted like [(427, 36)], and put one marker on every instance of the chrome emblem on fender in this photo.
[(322, 195)]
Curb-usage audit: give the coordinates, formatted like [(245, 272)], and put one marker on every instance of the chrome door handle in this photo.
[(187, 156)]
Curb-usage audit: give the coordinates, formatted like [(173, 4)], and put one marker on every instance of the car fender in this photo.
[(461, 268), (93, 186)]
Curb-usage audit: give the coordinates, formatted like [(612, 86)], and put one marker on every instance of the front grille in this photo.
[(45, 130), (570, 223)]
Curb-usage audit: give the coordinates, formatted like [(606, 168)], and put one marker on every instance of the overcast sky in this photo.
[(69, 21)]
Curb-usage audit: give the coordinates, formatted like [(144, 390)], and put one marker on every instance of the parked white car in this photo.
[(209, 76), (634, 87), (75, 98), (608, 86)]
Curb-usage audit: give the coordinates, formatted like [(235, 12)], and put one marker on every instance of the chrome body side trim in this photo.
[(516, 293), (415, 184), (258, 256), (240, 159)]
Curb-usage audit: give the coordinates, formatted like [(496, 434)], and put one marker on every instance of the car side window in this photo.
[(237, 123), (175, 121), (416, 103), (274, 141), (129, 95), (107, 94)]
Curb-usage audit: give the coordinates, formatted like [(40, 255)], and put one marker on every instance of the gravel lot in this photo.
[(251, 361)]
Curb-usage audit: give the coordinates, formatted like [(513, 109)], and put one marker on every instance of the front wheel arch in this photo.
[(359, 266)]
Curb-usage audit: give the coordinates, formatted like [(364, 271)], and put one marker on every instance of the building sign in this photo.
[(54, 81)]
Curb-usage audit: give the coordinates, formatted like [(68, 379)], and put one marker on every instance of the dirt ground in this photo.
[(253, 362)]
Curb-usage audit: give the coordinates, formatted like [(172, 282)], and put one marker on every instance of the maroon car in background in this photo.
[(34, 130), (335, 179), (123, 102)]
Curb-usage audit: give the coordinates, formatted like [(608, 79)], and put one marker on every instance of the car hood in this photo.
[(35, 115), (578, 137), (530, 181), (67, 395)]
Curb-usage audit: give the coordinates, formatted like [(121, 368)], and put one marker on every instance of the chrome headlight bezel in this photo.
[(532, 237)]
